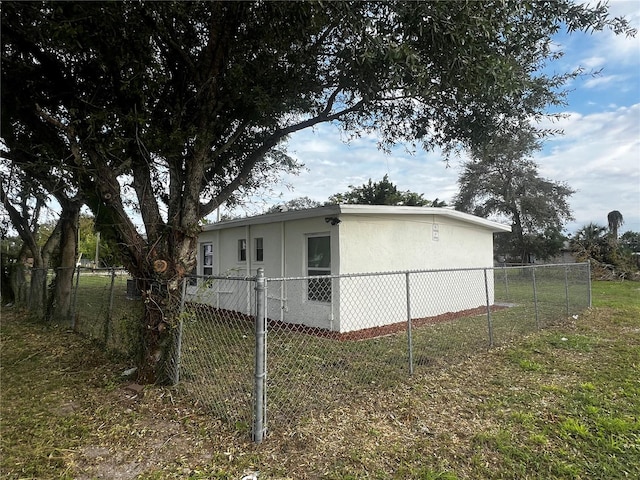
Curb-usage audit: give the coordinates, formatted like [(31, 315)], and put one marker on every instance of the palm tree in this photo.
[(615, 221), (589, 242)]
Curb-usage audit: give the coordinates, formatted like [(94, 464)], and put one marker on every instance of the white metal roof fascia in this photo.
[(436, 211), (275, 217), (329, 210)]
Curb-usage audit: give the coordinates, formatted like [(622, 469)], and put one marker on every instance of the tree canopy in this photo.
[(590, 242), (383, 192), (299, 203), (601, 246), (502, 181), (174, 108), (614, 220), (166, 110)]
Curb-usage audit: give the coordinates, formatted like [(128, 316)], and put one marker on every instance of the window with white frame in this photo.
[(259, 249), (319, 263), (242, 250), (207, 259)]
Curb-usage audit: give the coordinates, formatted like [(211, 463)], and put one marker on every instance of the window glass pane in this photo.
[(259, 250), (242, 250), (319, 263), (207, 254), (207, 259), (319, 252)]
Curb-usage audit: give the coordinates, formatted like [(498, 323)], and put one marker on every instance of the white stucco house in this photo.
[(295, 246)]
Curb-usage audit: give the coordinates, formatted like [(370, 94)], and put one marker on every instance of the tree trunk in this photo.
[(158, 261), (157, 364), (518, 234), (60, 306), (18, 278), (38, 287), (7, 294), (18, 281), (161, 292), (37, 300)]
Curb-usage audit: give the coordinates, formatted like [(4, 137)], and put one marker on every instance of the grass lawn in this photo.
[(560, 403)]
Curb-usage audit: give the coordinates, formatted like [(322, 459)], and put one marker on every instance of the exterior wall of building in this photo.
[(420, 242), (284, 255), (374, 243), (288, 300), (360, 243)]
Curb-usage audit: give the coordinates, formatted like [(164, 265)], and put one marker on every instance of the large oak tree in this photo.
[(174, 108)]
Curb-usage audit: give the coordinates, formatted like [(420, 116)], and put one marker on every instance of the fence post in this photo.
[(506, 281), (176, 374), (566, 287), (75, 299), (107, 324), (589, 284), (489, 322), (113, 282), (260, 373), (409, 326), (535, 296)]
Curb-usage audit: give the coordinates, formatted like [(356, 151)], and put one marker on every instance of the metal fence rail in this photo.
[(276, 354)]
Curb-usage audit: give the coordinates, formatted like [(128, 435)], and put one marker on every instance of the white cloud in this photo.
[(593, 63), (604, 81), (617, 56), (599, 155), (332, 166)]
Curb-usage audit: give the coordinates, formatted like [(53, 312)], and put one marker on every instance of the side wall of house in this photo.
[(372, 243), (284, 255), (375, 243), (359, 244), (289, 300)]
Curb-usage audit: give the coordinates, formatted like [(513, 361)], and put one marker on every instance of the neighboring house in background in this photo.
[(347, 239), (565, 256)]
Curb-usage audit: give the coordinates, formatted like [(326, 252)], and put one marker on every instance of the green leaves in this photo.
[(383, 192), (174, 108), (502, 182)]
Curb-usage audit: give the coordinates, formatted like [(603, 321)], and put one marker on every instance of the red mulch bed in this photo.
[(364, 334), (373, 332)]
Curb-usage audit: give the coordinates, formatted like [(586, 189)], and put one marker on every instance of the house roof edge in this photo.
[(329, 210)]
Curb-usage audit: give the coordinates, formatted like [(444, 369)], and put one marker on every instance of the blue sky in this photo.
[(598, 155)]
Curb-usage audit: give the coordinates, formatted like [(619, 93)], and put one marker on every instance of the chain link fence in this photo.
[(332, 338), (217, 343), (271, 354), (105, 305)]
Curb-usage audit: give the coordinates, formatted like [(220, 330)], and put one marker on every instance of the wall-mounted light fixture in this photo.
[(332, 220)]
